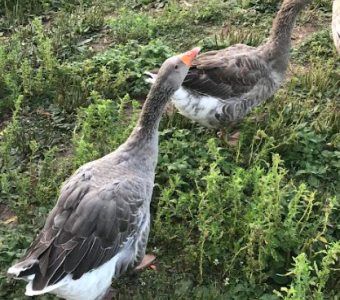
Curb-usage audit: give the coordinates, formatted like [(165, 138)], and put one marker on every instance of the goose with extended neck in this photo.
[(223, 86), (336, 24), (100, 225)]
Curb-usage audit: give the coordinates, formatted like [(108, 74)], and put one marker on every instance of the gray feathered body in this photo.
[(223, 86), (100, 225), (101, 221)]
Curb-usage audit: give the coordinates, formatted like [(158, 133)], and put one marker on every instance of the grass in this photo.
[(258, 221)]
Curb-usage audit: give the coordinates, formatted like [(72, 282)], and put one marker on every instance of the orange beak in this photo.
[(189, 56)]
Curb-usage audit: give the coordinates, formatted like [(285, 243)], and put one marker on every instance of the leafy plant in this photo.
[(258, 221)]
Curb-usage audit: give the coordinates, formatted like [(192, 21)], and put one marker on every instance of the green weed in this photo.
[(100, 129), (258, 221)]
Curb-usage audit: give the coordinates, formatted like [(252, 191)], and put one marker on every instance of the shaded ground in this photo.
[(5, 213), (4, 120)]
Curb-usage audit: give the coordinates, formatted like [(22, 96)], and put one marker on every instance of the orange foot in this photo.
[(146, 262), (231, 139)]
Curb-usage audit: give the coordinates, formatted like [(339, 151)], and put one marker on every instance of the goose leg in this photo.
[(230, 138), (146, 262)]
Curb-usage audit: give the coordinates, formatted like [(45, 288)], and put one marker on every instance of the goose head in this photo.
[(173, 71)]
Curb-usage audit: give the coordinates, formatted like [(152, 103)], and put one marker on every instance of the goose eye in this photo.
[(176, 66)]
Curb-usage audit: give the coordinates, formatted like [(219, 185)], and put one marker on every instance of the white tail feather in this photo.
[(22, 266)]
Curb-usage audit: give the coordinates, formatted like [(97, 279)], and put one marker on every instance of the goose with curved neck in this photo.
[(279, 42), (100, 225), (223, 86), (336, 24)]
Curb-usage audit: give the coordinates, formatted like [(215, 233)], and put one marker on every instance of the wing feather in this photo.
[(86, 228), (227, 73)]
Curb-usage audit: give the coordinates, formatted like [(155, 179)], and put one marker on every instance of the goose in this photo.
[(100, 225), (336, 24), (223, 86)]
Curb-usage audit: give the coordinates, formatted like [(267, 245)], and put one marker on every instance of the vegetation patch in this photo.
[(258, 221)]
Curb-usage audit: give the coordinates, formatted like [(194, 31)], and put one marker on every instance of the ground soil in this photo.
[(303, 31), (4, 120), (5, 213)]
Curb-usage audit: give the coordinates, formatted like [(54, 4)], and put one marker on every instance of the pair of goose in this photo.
[(223, 86), (100, 225)]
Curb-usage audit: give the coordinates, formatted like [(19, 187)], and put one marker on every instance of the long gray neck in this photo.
[(141, 148), (152, 111), (279, 43)]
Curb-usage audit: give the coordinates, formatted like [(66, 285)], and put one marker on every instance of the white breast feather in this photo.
[(198, 108)]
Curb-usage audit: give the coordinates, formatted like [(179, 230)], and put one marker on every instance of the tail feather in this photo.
[(29, 262), (27, 270), (24, 268)]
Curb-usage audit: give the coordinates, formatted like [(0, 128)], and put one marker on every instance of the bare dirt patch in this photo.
[(102, 44), (303, 31), (5, 213), (300, 33), (4, 121), (296, 69)]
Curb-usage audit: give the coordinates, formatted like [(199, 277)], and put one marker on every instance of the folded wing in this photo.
[(85, 229), (226, 73)]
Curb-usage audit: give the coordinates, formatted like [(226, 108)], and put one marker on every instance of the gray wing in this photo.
[(227, 73), (85, 229)]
